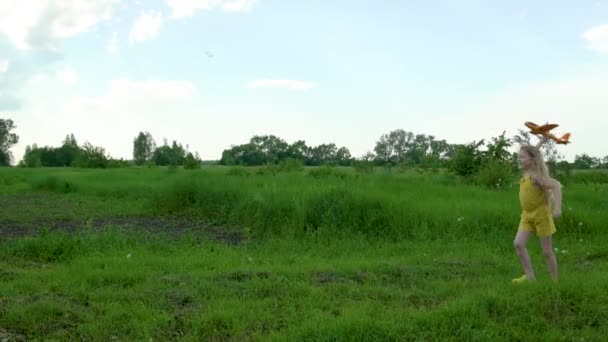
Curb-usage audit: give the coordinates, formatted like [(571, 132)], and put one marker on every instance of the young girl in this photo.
[(541, 201)]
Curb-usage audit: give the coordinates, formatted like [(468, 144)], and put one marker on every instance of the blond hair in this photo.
[(538, 165), (538, 162)]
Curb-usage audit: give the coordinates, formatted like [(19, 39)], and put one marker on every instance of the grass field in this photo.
[(316, 254)]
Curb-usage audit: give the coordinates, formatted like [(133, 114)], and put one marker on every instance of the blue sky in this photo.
[(211, 73)]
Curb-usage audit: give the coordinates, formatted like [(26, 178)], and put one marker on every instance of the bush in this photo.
[(494, 174), (326, 171), (589, 177), (191, 162), (91, 157), (54, 184), (363, 166), (237, 171), (344, 211), (291, 165), (467, 160), (118, 163)]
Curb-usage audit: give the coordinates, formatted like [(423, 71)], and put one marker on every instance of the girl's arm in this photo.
[(548, 183)]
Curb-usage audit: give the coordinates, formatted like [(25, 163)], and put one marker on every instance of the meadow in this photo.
[(234, 253)]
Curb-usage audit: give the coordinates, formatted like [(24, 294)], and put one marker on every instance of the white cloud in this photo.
[(38, 78), (187, 8), (67, 76), (146, 27), (287, 84), (128, 107), (597, 38), (113, 117), (3, 66), (42, 23), (112, 45), (238, 5), (128, 90), (125, 94)]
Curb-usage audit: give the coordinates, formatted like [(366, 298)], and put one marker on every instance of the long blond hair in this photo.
[(538, 162), (538, 165)]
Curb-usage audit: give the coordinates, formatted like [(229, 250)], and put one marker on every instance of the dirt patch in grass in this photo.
[(173, 227), (28, 214)]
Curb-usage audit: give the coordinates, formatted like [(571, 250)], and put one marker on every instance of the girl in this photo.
[(540, 197)]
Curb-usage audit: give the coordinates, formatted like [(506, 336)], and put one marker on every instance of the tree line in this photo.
[(396, 148)]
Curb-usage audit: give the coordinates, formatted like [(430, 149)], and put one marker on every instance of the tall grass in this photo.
[(322, 200), (337, 255)]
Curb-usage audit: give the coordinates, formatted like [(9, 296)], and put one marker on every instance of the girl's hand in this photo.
[(557, 212)]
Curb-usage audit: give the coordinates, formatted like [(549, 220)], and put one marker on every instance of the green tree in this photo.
[(323, 154), (385, 150), (68, 152), (393, 147), (7, 140), (498, 149), (32, 157), (298, 150), (467, 159), (92, 157), (70, 140), (143, 148), (584, 161), (272, 147), (169, 155), (343, 156), (163, 156), (192, 161)]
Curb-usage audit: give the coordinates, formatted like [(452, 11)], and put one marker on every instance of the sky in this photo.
[(214, 73)]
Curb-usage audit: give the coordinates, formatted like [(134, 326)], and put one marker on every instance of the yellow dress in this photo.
[(536, 213)]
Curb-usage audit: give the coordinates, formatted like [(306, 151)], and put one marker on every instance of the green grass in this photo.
[(397, 206), (321, 255), (96, 285)]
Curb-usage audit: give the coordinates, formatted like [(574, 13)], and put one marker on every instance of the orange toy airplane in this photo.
[(536, 129), (563, 140), (545, 131)]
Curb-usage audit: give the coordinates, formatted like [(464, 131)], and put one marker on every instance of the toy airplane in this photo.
[(542, 129), (563, 140), (545, 131)]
